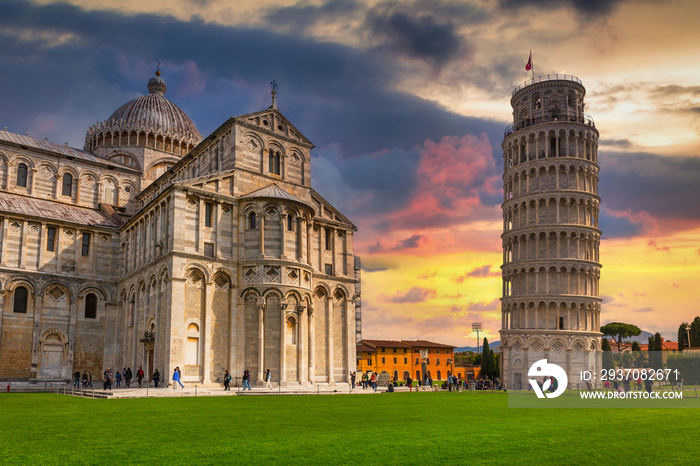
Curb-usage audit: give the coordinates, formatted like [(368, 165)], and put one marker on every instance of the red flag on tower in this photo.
[(528, 67)]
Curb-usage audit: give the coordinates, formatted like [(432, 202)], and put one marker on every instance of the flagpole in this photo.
[(532, 65)]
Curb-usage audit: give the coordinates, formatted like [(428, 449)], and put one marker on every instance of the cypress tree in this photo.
[(607, 354), (682, 336), (485, 360)]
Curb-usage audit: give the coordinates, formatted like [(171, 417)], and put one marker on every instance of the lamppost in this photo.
[(476, 327), (687, 328)]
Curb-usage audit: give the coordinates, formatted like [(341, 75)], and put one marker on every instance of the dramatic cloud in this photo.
[(586, 7), (416, 294), (483, 306), (302, 15), (421, 37)]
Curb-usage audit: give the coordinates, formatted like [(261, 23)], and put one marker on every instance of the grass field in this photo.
[(411, 428)]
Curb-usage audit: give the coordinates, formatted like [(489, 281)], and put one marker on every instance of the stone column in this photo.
[(301, 347), (300, 242), (3, 241), (283, 234), (71, 331), (261, 341), (312, 346), (329, 339), (262, 234), (31, 191), (23, 243), (283, 344), (206, 360), (308, 241)]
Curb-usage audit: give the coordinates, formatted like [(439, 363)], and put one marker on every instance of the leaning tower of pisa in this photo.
[(550, 304)]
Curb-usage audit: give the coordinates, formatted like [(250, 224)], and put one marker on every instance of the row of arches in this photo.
[(531, 145), (110, 135), (562, 315), (550, 178), (563, 103), (277, 229), (566, 244), (550, 343), (570, 210), (552, 280), (44, 179)]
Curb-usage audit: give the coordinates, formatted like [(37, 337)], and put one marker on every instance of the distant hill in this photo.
[(495, 346), (641, 339)]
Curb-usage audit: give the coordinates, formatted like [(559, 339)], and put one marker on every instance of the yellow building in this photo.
[(402, 358)]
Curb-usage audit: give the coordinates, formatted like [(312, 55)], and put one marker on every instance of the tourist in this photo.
[(246, 380), (89, 384), (373, 381), (364, 381), (118, 378), (176, 378), (352, 380), (139, 375), (127, 377), (156, 378), (76, 379), (227, 381), (409, 382), (268, 379), (107, 380), (85, 379)]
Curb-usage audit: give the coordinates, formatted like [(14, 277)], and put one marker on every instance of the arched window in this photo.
[(275, 162), (251, 221), (21, 295), (417, 375), (291, 332), (110, 194), (290, 222), (22, 175), (67, 185), (192, 348), (91, 306), (417, 361), (439, 376)]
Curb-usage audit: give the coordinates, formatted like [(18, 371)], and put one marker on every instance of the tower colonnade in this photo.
[(550, 301)]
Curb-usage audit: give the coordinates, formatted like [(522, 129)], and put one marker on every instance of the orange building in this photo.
[(402, 358)]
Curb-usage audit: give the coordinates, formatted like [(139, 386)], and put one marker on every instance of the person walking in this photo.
[(268, 379), (409, 382), (127, 377), (227, 381), (176, 378), (76, 379), (84, 379), (246, 380), (156, 378), (118, 378), (352, 380), (107, 380), (139, 375), (89, 384), (364, 381), (373, 381)]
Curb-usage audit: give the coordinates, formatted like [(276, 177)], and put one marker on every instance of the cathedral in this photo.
[(155, 247)]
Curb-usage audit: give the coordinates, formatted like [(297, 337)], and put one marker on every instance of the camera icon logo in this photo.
[(541, 369)]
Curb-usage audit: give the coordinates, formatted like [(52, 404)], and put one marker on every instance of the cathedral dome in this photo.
[(150, 117)]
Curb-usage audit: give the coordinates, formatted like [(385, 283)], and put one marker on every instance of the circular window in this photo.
[(127, 189), (266, 123), (280, 128)]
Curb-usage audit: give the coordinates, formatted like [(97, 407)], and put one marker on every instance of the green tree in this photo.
[(485, 359), (493, 364), (695, 333), (497, 365), (620, 330), (636, 347), (655, 348), (607, 354), (683, 336)]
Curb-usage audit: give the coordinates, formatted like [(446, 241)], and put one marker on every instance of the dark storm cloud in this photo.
[(586, 7), (664, 186), (422, 37), (332, 93), (303, 15)]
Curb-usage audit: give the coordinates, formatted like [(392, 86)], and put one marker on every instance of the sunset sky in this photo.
[(406, 102)]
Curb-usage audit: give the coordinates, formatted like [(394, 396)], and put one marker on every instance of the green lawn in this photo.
[(411, 428)]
